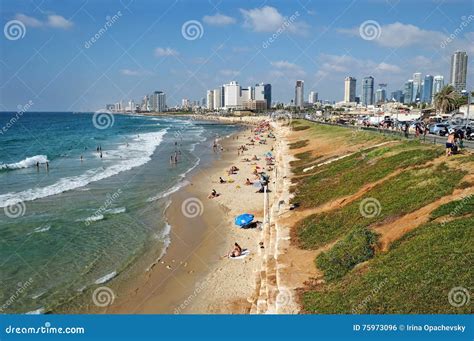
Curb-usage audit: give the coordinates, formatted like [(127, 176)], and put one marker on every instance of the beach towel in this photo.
[(244, 254)]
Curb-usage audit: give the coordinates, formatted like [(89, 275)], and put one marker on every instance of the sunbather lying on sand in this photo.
[(213, 194), (236, 252), (248, 182)]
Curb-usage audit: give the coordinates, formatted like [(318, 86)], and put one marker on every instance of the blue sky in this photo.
[(144, 49)]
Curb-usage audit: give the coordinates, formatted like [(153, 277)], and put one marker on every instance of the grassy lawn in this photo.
[(416, 276), (402, 194), (357, 247), (299, 144), (455, 208), (346, 176)]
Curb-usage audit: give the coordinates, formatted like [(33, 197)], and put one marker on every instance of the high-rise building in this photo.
[(217, 97), (427, 89), (349, 89), (438, 84), (299, 94), (458, 70), (210, 99), (397, 96), (368, 90), (313, 97), (408, 92), (232, 95), (158, 101), (263, 92), (380, 96), (416, 86), (185, 103), (145, 103)]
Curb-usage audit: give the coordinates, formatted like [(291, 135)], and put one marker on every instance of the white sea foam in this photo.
[(117, 210), (28, 162), (169, 191), (106, 278), (42, 229), (95, 217), (136, 154)]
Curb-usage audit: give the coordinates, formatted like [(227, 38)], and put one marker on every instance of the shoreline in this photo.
[(178, 281)]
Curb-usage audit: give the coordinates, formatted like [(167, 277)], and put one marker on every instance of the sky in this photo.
[(50, 58)]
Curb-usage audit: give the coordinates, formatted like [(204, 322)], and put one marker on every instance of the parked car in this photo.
[(438, 128)]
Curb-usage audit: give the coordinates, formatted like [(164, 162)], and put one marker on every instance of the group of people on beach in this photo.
[(261, 177)]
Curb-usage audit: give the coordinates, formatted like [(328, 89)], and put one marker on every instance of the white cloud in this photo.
[(58, 21), (284, 67), (268, 19), (133, 73), (346, 65), (165, 52), (219, 20), (52, 20), (402, 35)]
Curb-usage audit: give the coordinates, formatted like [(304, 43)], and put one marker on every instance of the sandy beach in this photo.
[(194, 276)]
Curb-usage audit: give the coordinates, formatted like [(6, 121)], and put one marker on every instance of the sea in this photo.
[(83, 196)]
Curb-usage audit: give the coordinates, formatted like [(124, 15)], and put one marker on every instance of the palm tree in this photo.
[(446, 99)]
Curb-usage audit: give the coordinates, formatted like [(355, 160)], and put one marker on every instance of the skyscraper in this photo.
[(368, 90), (158, 101), (397, 96), (427, 89), (408, 92), (217, 98), (313, 97), (349, 89), (438, 84), (232, 95), (210, 99), (416, 86), (458, 70), (263, 92), (380, 96), (299, 94)]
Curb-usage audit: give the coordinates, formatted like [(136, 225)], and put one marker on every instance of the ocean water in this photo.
[(75, 224)]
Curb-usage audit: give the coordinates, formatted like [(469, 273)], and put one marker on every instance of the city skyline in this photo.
[(67, 50)]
